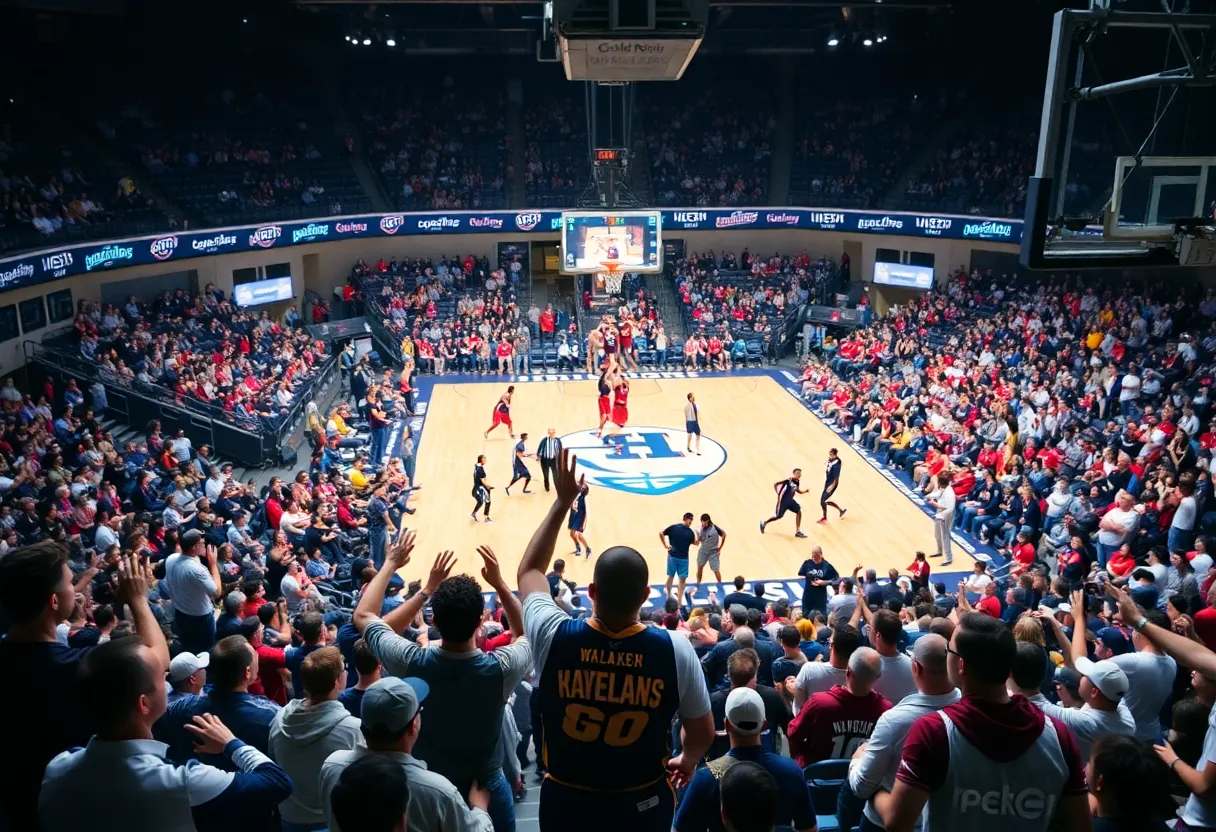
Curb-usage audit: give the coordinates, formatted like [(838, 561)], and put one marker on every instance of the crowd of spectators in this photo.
[(732, 299), (556, 154), (850, 151), (427, 161), (49, 192), (702, 154), (202, 349), (984, 171)]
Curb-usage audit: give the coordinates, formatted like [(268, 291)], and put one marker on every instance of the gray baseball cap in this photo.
[(389, 705)]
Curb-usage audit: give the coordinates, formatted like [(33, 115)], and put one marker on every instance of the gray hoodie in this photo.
[(301, 737)]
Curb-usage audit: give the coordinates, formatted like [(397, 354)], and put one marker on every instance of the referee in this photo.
[(547, 452), (692, 423), (608, 689)]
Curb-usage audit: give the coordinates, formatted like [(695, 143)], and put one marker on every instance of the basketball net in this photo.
[(612, 277)]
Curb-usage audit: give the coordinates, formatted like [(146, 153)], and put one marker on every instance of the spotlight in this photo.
[(833, 41), (390, 42), (367, 41), (244, 20), (348, 38), (867, 42)]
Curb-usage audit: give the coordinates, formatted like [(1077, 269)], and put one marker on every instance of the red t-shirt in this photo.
[(833, 724), (270, 661), (1001, 732), (1024, 555), (990, 605)]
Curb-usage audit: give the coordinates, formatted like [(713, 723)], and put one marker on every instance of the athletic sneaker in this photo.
[(474, 516), (485, 436), (763, 523), (487, 520), (822, 520), (578, 550), (799, 534), (843, 512)]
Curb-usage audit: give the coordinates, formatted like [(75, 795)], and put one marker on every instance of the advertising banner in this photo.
[(86, 258)]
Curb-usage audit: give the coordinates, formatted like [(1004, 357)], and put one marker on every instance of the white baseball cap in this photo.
[(745, 711), (185, 665), (1106, 676)]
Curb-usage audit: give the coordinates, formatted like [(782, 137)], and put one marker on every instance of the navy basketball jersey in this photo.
[(786, 491), (607, 702)]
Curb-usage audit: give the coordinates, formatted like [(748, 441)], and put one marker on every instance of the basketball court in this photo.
[(754, 433)]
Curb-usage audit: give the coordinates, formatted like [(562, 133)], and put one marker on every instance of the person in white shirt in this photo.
[(1116, 526), (107, 533), (214, 487), (122, 775), (874, 766), (391, 717), (193, 578), (817, 677), (943, 502), (883, 628), (1103, 690), (182, 446)]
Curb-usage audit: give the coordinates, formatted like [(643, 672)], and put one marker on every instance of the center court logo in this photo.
[(644, 460)]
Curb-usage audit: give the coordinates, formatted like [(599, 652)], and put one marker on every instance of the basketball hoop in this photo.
[(612, 277)]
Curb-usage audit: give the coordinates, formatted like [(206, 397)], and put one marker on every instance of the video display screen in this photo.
[(630, 239), (262, 291), (905, 276)]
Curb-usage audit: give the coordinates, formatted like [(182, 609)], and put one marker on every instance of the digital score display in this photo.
[(631, 240), (609, 154)]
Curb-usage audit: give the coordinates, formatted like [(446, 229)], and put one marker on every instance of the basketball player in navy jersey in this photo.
[(578, 522), (502, 414), (605, 401), (520, 471), (786, 490), (609, 688), (481, 491), (830, 484)]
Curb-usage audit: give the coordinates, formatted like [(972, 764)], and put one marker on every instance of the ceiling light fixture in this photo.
[(867, 42), (833, 41)]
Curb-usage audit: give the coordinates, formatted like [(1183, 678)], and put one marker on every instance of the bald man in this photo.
[(875, 766), (834, 724)]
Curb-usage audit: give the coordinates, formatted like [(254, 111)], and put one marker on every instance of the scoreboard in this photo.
[(631, 240)]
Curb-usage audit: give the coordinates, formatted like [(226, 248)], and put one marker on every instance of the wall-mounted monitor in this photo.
[(630, 239), (261, 292), (903, 276)]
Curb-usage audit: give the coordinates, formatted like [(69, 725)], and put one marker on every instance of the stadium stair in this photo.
[(517, 196), (783, 137), (942, 136)]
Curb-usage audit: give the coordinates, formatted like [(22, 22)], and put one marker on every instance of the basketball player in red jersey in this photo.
[(620, 406), (626, 344), (605, 403), (502, 413)]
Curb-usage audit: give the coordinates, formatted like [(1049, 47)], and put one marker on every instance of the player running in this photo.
[(830, 484), (502, 414), (520, 471), (578, 522), (481, 491), (786, 490)]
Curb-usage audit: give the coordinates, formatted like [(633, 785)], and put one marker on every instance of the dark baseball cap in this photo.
[(1114, 639), (389, 705)]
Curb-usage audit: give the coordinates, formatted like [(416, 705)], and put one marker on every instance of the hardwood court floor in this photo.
[(765, 433)]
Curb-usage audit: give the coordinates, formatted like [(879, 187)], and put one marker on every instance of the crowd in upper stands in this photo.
[(202, 348)]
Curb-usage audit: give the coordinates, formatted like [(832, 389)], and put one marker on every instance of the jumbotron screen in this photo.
[(631, 239)]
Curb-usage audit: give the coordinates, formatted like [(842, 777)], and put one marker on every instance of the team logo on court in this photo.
[(643, 460)]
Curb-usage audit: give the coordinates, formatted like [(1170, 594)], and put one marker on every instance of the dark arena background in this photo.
[(287, 273)]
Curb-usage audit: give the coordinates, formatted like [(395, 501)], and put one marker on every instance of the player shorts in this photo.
[(620, 415), (677, 567), (709, 557), (788, 505), (481, 495), (578, 522), (609, 349), (692, 427), (605, 406), (501, 418)]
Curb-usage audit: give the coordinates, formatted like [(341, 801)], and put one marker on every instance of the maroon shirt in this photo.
[(1000, 732), (832, 724)]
